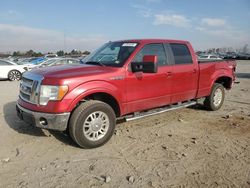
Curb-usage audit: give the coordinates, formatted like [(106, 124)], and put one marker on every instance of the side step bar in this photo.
[(159, 110)]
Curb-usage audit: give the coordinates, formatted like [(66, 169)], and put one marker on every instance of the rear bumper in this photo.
[(43, 120)]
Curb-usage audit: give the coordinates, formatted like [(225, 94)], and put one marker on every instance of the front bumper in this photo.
[(43, 120)]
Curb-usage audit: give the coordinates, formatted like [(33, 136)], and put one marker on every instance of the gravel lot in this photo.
[(190, 147)]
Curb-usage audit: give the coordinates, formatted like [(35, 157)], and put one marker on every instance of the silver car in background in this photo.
[(58, 61)]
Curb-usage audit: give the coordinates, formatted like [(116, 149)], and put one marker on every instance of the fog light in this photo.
[(43, 121)]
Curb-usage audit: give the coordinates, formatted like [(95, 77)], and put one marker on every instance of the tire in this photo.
[(92, 124), (216, 98), (14, 75)]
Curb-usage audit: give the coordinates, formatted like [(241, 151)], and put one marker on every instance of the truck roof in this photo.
[(154, 40)]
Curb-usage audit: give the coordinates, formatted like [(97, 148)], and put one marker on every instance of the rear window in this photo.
[(4, 63), (181, 54)]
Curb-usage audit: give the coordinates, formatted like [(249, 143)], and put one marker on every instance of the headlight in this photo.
[(52, 93)]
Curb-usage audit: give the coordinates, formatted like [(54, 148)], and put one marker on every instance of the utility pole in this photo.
[(64, 41)]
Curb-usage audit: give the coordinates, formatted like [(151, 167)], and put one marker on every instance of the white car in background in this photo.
[(209, 56), (10, 70)]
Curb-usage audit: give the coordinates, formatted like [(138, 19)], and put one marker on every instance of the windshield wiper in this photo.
[(95, 63)]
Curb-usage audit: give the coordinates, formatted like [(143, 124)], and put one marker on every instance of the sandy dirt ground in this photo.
[(189, 147)]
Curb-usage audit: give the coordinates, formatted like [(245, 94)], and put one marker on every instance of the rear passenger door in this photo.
[(185, 73)]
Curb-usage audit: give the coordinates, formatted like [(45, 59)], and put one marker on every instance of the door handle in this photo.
[(169, 74), (194, 70)]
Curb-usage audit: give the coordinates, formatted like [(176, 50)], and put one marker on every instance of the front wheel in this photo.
[(216, 98), (92, 124), (14, 75)]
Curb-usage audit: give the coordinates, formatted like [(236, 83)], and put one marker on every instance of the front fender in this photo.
[(83, 90)]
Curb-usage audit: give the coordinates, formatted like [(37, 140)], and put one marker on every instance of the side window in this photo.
[(61, 62), (69, 61), (72, 61), (181, 54), (152, 49), (4, 63), (75, 61)]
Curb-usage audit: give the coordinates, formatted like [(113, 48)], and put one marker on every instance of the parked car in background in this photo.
[(59, 61), (47, 61), (12, 59), (28, 62), (243, 56), (221, 55), (10, 70), (208, 56), (38, 60), (231, 55), (51, 56)]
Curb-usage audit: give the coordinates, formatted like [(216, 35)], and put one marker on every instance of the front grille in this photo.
[(30, 88)]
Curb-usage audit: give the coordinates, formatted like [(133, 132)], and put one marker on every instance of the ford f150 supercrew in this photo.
[(129, 79)]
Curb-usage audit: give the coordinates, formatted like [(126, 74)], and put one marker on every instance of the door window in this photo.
[(152, 49), (181, 54)]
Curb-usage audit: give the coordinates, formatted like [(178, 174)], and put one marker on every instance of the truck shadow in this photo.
[(19, 126), (243, 75), (13, 121), (198, 106), (63, 137)]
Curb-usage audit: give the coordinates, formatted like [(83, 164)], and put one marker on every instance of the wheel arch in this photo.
[(14, 70), (222, 76), (100, 95), (106, 98), (226, 81)]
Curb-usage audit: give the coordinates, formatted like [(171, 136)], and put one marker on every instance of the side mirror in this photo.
[(149, 65)]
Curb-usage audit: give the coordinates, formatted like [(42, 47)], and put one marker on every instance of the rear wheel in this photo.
[(215, 100), (14, 75), (92, 124)]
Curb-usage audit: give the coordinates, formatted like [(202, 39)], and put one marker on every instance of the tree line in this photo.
[(31, 53)]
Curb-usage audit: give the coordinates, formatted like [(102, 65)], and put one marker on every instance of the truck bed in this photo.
[(212, 60), (209, 69)]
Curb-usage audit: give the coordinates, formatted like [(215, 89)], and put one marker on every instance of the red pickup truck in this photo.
[(129, 79)]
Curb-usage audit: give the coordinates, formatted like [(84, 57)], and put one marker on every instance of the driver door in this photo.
[(149, 90)]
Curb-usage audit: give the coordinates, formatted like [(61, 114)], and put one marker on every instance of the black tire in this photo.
[(81, 117), (14, 75), (210, 101)]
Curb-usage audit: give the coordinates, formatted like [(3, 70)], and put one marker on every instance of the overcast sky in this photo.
[(48, 25)]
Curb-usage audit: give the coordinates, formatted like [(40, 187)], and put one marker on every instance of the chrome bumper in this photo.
[(43, 120)]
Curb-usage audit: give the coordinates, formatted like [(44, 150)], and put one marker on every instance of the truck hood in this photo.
[(73, 75), (71, 71)]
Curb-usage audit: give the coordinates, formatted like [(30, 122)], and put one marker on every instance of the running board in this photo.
[(159, 110)]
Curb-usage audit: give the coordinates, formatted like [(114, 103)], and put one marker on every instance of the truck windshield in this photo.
[(112, 54)]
